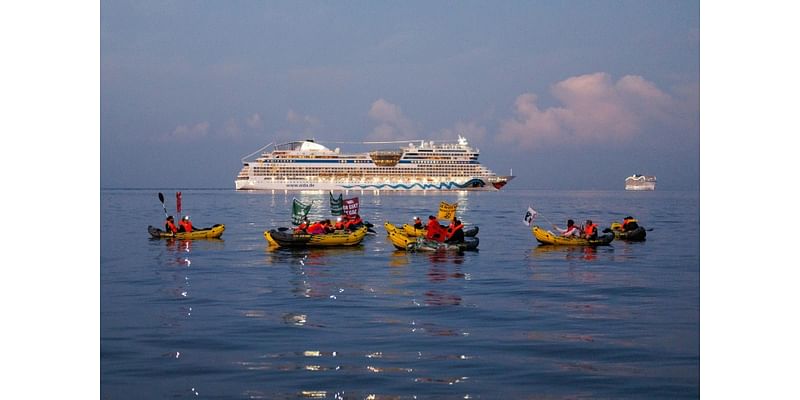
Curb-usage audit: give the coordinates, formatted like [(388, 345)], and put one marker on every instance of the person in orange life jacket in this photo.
[(169, 225), (316, 228), (418, 223), (435, 231), (302, 227), (629, 224), (185, 224), (340, 222), (328, 227), (455, 232), (570, 230), (354, 223), (590, 230)]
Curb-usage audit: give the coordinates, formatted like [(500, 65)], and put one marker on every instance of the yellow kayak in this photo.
[(404, 242), (287, 238), (546, 237), (210, 233), (410, 231), (391, 228)]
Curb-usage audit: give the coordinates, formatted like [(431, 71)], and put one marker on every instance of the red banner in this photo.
[(178, 201), (350, 206)]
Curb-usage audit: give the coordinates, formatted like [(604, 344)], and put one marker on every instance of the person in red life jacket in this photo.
[(169, 225), (455, 232), (629, 224), (590, 230), (418, 223), (354, 223), (317, 228), (328, 227), (435, 231), (570, 230), (340, 222), (185, 224), (302, 227)]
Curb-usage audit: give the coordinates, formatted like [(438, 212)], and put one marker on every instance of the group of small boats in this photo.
[(408, 237), (635, 234)]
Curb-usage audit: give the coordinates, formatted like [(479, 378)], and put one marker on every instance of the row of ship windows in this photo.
[(414, 161)]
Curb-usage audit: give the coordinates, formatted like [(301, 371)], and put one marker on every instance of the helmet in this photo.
[(186, 217)]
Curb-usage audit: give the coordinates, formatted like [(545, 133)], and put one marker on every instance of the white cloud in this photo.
[(594, 108), (187, 133), (393, 125), (255, 122)]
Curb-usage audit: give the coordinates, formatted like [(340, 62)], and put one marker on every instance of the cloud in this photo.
[(392, 124), (594, 109), (187, 133), (470, 130), (306, 120), (255, 122)]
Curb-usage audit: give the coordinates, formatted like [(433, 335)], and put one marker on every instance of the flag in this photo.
[(530, 215), (336, 205), (178, 201), (350, 206), (299, 211), (447, 211)]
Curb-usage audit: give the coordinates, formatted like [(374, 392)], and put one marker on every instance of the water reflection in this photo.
[(588, 253)]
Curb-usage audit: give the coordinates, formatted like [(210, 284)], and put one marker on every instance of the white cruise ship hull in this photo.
[(476, 183)]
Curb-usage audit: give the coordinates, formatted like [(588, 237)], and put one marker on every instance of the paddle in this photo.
[(161, 197)]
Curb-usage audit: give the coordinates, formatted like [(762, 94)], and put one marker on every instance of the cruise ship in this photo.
[(640, 182), (420, 165)]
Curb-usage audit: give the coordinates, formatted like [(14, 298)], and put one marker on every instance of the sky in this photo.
[(568, 95)]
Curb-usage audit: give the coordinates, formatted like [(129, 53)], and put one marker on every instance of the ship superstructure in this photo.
[(421, 165), (640, 182)]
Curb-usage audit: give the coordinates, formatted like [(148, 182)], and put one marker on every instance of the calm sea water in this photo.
[(232, 318)]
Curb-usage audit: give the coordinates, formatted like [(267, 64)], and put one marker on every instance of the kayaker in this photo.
[(340, 222), (571, 230), (418, 223), (590, 230), (629, 224), (169, 225), (354, 223), (456, 232), (185, 224), (302, 227), (317, 228), (328, 227), (435, 231)]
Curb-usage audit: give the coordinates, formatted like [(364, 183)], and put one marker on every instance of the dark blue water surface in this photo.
[(232, 318)]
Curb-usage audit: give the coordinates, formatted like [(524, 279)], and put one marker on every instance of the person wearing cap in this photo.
[(169, 225), (418, 223), (185, 224)]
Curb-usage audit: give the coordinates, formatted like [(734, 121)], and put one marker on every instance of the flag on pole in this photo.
[(178, 201), (447, 211), (336, 204), (299, 211), (530, 215), (350, 206)]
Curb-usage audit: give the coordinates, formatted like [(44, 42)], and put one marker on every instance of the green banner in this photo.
[(299, 211), (336, 205)]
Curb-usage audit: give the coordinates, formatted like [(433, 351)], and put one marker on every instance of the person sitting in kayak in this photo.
[(354, 223), (418, 223), (302, 227), (317, 228), (185, 224), (590, 230), (570, 231), (435, 231), (340, 222), (629, 224), (328, 227), (455, 232), (169, 225)]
